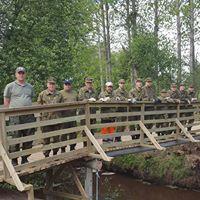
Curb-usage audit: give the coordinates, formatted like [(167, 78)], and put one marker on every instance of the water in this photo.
[(120, 187)]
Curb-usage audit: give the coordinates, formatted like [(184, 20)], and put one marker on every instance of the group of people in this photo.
[(19, 93)]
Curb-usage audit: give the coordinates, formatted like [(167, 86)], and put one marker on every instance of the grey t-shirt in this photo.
[(19, 95)]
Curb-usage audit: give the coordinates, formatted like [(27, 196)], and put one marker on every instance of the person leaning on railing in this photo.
[(120, 94), (164, 98), (18, 94), (148, 94), (184, 98), (87, 93), (135, 95), (50, 96), (193, 98), (69, 95), (107, 96)]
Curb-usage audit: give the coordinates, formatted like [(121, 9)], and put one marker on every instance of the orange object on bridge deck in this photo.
[(108, 130)]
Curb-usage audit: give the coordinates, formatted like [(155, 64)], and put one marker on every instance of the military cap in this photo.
[(68, 81), (148, 79), (109, 84), (51, 80), (138, 80), (122, 81), (20, 69), (163, 91), (88, 80), (173, 85)]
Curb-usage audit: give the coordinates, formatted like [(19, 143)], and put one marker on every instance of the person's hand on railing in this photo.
[(92, 99), (194, 100), (105, 99), (156, 101), (118, 99), (133, 100)]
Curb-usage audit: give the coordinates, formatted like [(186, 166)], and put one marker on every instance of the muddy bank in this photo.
[(178, 166)]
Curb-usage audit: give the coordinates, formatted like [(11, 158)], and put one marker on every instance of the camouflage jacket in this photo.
[(45, 98), (122, 94), (136, 93), (85, 94), (69, 97), (192, 94), (175, 95), (184, 96), (107, 94), (148, 94)]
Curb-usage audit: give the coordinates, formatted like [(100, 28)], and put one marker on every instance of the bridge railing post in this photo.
[(3, 140), (142, 120), (178, 117), (87, 122)]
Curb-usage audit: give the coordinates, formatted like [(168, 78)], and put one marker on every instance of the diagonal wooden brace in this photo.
[(11, 169), (96, 144), (151, 137), (187, 133)]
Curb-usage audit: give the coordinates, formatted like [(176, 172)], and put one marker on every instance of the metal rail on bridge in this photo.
[(130, 125)]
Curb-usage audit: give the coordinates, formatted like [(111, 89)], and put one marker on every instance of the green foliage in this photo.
[(155, 166), (49, 38)]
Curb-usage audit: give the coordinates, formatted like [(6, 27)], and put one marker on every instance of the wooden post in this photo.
[(89, 183), (87, 122), (142, 120), (3, 140), (30, 193), (49, 183), (178, 117)]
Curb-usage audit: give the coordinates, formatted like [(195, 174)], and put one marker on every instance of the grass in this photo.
[(158, 166)]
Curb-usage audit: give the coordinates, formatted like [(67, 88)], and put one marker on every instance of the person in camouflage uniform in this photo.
[(175, 95), (148, 94), (18, 94), (164, 98), (87, 92), (107, 96), (193, 98), (135, 94), (120, 94), (192, 93), (50, 96), (69, 95), (184, 98)]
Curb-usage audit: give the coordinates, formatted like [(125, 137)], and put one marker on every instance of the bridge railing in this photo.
[(128, 121), (114, 125)]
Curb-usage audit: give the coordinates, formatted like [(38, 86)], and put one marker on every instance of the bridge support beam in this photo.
[(151, 137), (186, 133), (13, 178)]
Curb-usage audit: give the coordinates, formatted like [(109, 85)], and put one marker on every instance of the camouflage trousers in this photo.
[(23, 119)]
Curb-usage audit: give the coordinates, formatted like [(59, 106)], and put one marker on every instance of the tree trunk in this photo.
[(108, 52), (134, 19), (104, 36), (178, 28), (128, 28), (100, 61), (192, 49), (156, 22)]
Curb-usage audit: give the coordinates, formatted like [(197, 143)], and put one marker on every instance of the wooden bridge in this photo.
[(142, 127)]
